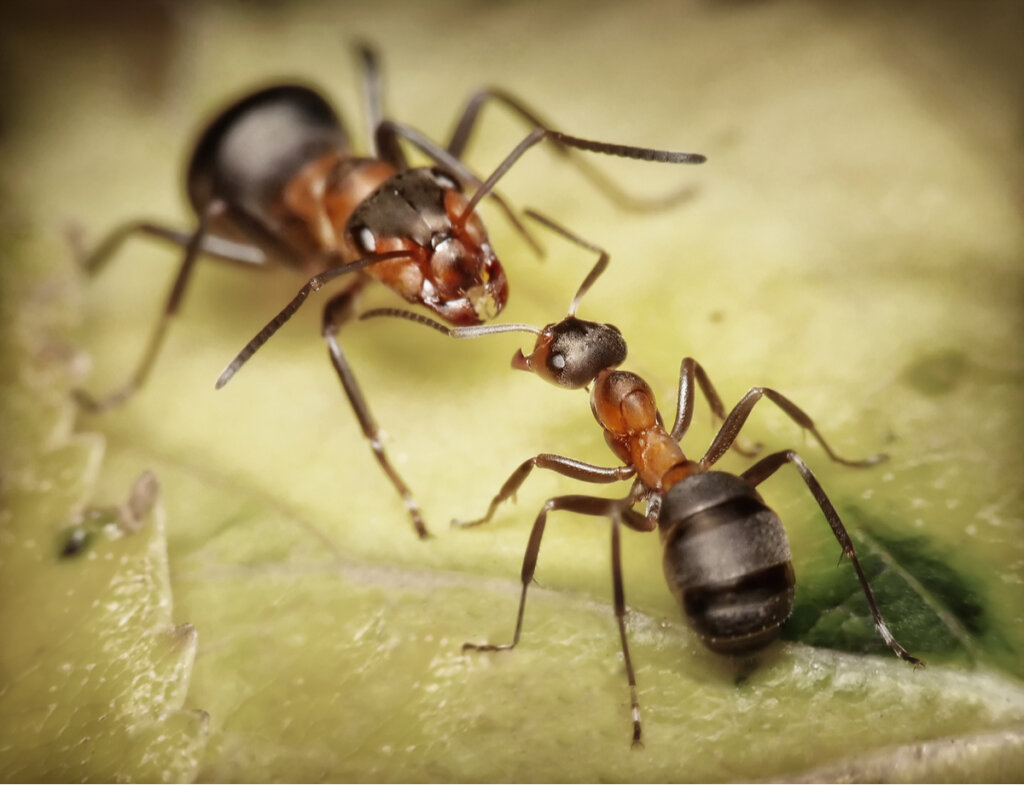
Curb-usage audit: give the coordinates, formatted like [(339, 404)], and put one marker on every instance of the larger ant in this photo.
[(273, 179), (726, 555)]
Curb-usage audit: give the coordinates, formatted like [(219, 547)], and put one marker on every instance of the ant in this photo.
[(726, 555), (273, 179)]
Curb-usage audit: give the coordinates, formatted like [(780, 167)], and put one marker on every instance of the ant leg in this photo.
[(466, 123), (738, 416), (385, 145), (619, 595), (653, 508), (314, 284), (226, 250), (567, 467), (684, 399), (617, 510), (337, 311), (465, 127), (764, 469), (689, 370), (98, 258), (372, 85)]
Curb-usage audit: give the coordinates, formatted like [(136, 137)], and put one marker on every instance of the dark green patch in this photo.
[(944, 583), (931, 607), (937, 373)]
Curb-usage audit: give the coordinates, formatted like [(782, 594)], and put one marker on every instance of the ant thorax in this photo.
[(623, 404), (318, 202)]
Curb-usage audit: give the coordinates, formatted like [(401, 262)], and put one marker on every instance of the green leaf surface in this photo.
[(854, 241)]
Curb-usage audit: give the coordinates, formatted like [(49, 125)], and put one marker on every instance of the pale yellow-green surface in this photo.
[(854, 240)]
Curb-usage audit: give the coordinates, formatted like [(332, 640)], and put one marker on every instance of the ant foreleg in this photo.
[(617, 510), (764, 469), (337, 311), (465, 127), (96, 260), (738, 416), (313, 285), (568, 467), (689, 370)]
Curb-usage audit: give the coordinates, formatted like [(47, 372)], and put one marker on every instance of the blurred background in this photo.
[(854, 240)]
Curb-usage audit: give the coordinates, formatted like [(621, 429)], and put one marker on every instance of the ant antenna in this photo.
[(456, 168), (470, 114), (473, 331), (313, 285), (607, 148), (599, 267)]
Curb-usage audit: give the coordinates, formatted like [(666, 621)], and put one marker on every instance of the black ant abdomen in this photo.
[(250, 152), (727, 562)]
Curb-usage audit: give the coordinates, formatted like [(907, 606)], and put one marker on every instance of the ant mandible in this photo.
[(726, 556), (272, 179)]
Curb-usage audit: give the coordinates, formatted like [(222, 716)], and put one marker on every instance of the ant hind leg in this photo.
[(193, 244), (466, 125), (738, 416), (764, 469)]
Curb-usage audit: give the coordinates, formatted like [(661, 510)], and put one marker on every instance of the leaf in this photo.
[(94, 673), (851, 243)]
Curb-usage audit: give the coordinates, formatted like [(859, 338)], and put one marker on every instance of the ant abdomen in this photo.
[(727, 561), (253, 148)]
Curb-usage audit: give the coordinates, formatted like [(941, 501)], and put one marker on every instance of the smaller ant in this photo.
[(273, 179), (726, 555)]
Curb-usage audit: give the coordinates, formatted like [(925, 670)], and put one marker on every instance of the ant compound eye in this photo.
[(445, 180), (364, 239), (556, 362)]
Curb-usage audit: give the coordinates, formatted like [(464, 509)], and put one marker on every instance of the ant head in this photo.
[(455, 272), (573, 352)]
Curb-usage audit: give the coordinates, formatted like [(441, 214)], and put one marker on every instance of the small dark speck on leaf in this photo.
[(74, 542), (937, 373)]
